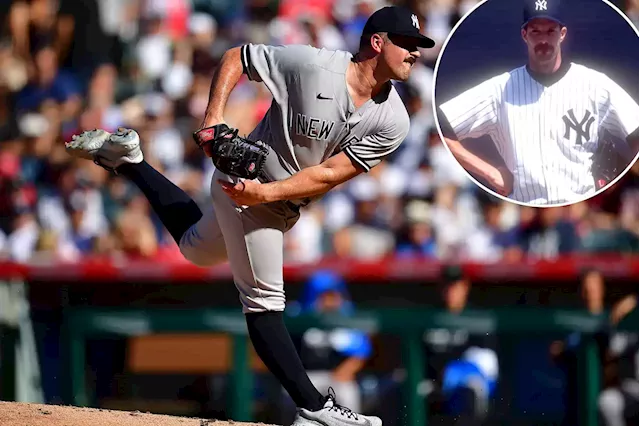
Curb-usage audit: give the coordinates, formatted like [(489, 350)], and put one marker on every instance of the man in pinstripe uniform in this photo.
[(546, 118), (334, 115)]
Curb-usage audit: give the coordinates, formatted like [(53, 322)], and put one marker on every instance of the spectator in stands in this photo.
[(417, 237), (207, 46), (304, 243), (20, 241), (118, 20), (321, 33), (16, 240), (547, 233), (31, 24), (136, 237), (153, 50), (351, 16), (12, 76), (462, 366), (618, 401), (413, 149), (333, 358), (80, 40), (454, 217), (446, 170), (369, 237), (493, 241), (50, 84), (611, 224)]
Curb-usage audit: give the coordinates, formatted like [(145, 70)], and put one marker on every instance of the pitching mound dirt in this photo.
[(21, 414)]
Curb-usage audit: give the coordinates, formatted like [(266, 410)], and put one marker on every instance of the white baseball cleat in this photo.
[(108, 150), (86, 144), (333, 414)]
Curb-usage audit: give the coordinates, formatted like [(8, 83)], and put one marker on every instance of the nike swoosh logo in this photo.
[(324, 98)]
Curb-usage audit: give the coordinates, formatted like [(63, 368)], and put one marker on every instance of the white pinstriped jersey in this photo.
[(312, 115), (546, 135)]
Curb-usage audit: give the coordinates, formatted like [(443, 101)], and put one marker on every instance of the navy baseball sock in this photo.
[(174, 207), (274, 346)]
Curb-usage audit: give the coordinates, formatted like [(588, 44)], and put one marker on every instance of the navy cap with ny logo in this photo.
[(547, 9), (397, 20)]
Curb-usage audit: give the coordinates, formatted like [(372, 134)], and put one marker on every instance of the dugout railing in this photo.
[(408, 324)]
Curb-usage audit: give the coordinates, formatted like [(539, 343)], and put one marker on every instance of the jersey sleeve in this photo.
[(621, 111), (473, 113), (274, 65), (372, 149)]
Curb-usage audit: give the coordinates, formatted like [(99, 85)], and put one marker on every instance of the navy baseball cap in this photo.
[(397, 20), (547, 9)]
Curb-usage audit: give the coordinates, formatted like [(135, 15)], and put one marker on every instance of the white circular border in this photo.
[(478, 184)]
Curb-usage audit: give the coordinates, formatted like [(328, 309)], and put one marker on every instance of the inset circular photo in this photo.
[(538, 99)]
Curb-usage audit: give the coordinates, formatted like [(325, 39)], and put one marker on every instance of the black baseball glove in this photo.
[(607, 164), (230, 153)]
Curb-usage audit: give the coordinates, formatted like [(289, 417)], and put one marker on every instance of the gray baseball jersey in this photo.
[(312, 116), (547, 135)]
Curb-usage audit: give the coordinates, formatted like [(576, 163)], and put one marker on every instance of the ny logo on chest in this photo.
[(581, 128)]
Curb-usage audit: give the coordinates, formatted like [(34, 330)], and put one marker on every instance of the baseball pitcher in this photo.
[(334, 115)]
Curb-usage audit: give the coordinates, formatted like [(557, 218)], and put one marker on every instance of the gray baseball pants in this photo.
[(251, 239)]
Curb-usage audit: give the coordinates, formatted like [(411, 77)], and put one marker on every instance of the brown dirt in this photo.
[(22, 414)]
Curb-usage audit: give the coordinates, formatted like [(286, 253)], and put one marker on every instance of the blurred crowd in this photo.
[(71, 65)]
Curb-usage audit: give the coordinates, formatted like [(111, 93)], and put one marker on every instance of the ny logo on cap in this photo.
[(414, 21), (541, 4)]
